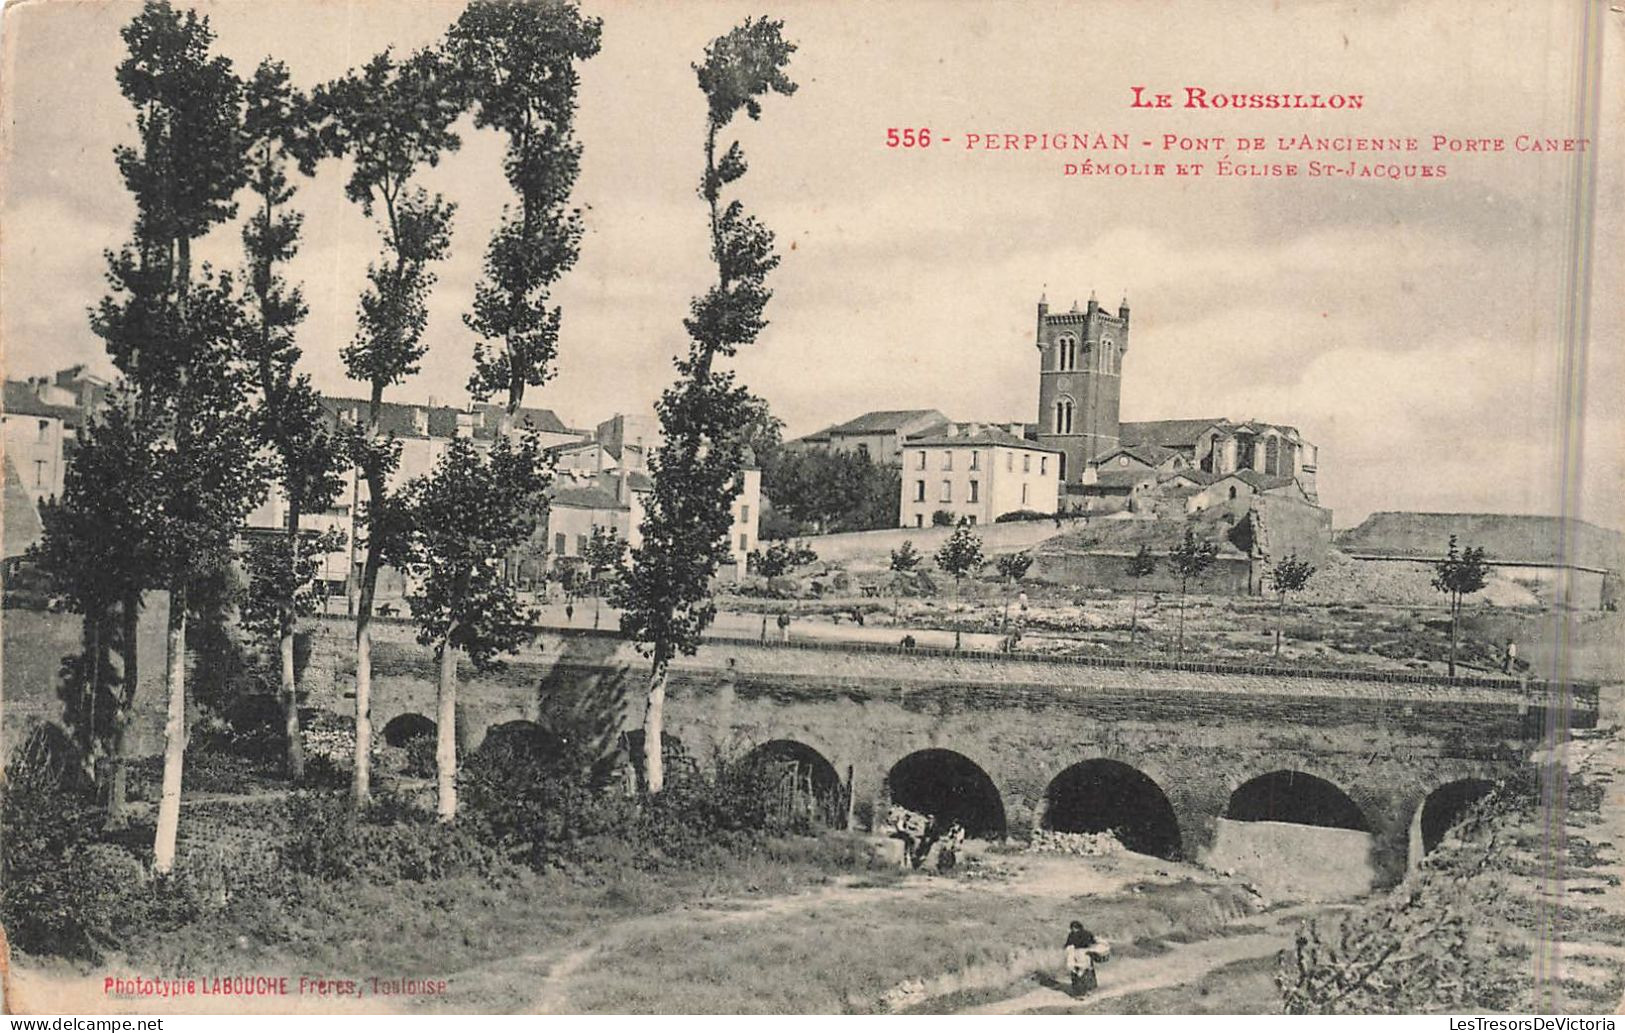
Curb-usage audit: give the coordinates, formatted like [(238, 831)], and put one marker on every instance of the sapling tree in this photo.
[(605, 558), (466, 516), (309, 458), (1190, 558), (904, 560), (1289, 575), (389, 120), (960, 555), (1461, 573), (1012, 566), (666, 597), (1141, 565), (175, 333), (519, 62)]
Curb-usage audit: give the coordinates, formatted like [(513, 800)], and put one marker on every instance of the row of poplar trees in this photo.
[(210, 410)]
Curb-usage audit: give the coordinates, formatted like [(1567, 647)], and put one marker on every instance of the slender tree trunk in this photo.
[(1280, 619), (1181, 647), (169, 803), (289, 686), (654, 719), (445, 744), (1133, 616), (597, 604), (956, 615), (1455, 615), (361, 774), (118, 789)]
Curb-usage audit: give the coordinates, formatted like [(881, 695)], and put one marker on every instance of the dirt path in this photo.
[(1181, 964), (550, 972)]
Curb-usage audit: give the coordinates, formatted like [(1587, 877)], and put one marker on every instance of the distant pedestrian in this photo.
[(569, 612), (1021, 601), (764, 627), (784, 627), (1080, 964), (1509, 658)]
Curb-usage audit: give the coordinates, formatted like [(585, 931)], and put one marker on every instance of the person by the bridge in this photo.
[(784, 627), (1509, 657), (1080, 963)]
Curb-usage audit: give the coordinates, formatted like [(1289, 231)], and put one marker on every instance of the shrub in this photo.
[(420, 756), (942, 518), (1022, 514), (392, 842), (60, 892)]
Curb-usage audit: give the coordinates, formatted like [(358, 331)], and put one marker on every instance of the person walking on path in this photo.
[(1509, 659), (1080, 963)]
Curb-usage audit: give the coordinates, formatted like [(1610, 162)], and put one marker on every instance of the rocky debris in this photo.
[(904, 994), (1083, 844)]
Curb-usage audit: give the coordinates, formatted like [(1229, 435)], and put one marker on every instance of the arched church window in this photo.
[(1066, 352), (1108, 356), (1063, 416), (1272, 456)]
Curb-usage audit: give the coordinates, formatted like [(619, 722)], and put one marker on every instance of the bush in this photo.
[(392, 842), (420, 756), (60, 892), (942, 518), (1022, 514)]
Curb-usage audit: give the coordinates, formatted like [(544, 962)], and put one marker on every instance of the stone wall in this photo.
[(32, 648)]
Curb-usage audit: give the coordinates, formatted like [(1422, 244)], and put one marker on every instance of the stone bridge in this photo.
[(1347, 778), (1342, 779)]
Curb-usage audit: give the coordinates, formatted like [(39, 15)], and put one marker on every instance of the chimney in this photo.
[(953, 430), (622, 489)]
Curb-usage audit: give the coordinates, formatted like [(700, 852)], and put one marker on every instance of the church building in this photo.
[(1107, 464)]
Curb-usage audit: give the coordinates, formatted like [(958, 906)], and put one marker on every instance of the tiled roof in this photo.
[(1150, 455), (586, 497), (981, 435), (886, 420), (399, 418), (1183, 433), (1167, 433), (21, 399), (1261, 481)]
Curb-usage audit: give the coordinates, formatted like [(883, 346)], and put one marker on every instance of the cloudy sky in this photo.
[(1418, 331)]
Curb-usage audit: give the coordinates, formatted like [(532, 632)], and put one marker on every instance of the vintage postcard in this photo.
[(576, 507)]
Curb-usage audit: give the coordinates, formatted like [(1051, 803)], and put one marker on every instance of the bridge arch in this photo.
[(948, 785), (403, 728), (1298, 798), (801, 781), (1442, 808), (1103, 794)]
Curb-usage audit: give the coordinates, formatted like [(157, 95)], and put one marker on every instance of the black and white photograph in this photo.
[(583, 507)]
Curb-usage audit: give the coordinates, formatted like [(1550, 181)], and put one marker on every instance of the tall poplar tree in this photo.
[(518, 59), (390, 119), (174, 332), (665, 597), (309, 458), (466, 516)]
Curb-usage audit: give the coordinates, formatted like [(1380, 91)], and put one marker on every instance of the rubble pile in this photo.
[(1084, 844)]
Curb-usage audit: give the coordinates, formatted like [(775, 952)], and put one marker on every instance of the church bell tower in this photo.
[(1080, 376)]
